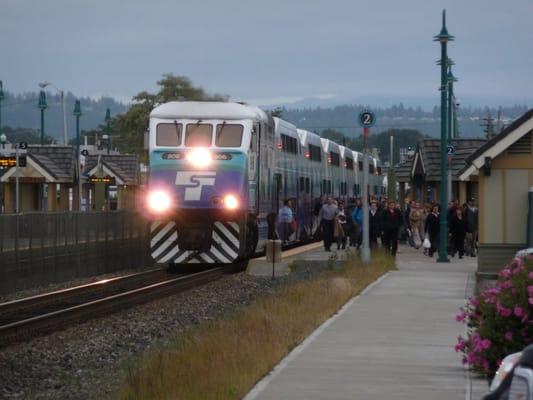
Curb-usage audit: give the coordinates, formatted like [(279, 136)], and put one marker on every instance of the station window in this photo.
[(168, 134), (228, 135), (335, 159), (349, 163), (315, 153), (198, 135)]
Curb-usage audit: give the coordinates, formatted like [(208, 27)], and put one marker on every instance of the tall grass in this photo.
[(223, 359)]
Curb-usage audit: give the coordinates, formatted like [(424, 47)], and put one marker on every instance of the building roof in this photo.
[(58, 161), (493, 147), (125, 167), (427, 159)]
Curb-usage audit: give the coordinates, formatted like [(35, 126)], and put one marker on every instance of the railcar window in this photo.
[(335, 159), (371, 168), (307, 185), (168, 135), (198, 135), (349, 163), (302, 184), (315, 153), (360, 165), (229, 135), (289, 144)]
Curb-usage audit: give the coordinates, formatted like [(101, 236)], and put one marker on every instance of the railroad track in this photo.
[(37, 315)]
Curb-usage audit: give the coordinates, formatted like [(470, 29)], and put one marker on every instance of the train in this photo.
[(220, 171)]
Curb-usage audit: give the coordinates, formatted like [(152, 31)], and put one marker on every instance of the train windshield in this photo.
[(198, 135), (229, 135), (168, 134)]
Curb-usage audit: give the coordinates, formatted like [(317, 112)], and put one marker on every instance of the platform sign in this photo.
[(450, 150), (367, 119), (108, 180), (23, 145), (85, 153), (11, 161)]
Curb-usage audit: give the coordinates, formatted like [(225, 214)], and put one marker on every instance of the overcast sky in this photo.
[(269, 51)]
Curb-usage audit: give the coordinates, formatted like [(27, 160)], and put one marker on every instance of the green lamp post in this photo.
[(1, 99), (108, 128), (451, 104), (443, 38), (42, 105)]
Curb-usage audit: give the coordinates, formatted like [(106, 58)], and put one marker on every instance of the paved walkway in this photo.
[(393, 342)]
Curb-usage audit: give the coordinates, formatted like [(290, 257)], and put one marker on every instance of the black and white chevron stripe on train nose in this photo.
[(224, 245)]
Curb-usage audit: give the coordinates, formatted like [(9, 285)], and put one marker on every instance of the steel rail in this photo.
[(52, 321)]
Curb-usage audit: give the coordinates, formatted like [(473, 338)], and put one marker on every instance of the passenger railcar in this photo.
[(219, 172)]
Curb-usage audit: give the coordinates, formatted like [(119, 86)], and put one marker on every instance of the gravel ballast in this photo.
[(88, 361)]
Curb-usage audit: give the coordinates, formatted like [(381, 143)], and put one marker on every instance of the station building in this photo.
[(419, 176), (48, 181), (503, 169)]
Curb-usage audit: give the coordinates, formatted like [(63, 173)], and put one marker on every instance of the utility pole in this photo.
[(1, 99), (42, 105), (367, 119), (77, 114), (108, 128), (443, 38)]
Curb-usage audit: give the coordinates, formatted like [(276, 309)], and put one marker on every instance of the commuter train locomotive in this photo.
[(220, 171)]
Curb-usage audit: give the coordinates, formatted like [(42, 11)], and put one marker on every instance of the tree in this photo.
[(127, 130)]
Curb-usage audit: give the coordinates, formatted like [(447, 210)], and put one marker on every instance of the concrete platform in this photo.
[(395, 341), (308, 256)]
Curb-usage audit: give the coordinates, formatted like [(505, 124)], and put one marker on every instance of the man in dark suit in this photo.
[(374, 226), (391, 222)]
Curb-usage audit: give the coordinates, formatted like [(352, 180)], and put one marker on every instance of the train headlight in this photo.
[(231, 202), (199, 157), (159, 201)]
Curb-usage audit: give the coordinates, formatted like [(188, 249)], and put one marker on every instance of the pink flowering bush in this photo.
[(500, 320)]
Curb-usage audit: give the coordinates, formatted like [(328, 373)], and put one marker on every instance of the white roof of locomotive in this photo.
[(208, 110)]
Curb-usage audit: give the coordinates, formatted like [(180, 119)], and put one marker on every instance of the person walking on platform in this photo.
[(326, 216), (471, 216), (284, 220), (458, 232), (374, 226), (415, 219), (350, 230), (432, 228), (339, 228), (357, 217), (392, 221)]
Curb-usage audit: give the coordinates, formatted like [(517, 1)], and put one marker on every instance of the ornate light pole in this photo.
[(42, 105), (77, 114), (443, 37)]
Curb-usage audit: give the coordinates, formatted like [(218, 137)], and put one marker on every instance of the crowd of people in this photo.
[(341, 224)]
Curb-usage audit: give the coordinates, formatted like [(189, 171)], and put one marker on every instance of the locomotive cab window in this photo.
[(228, 135), (198, 135), (168, 135)]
